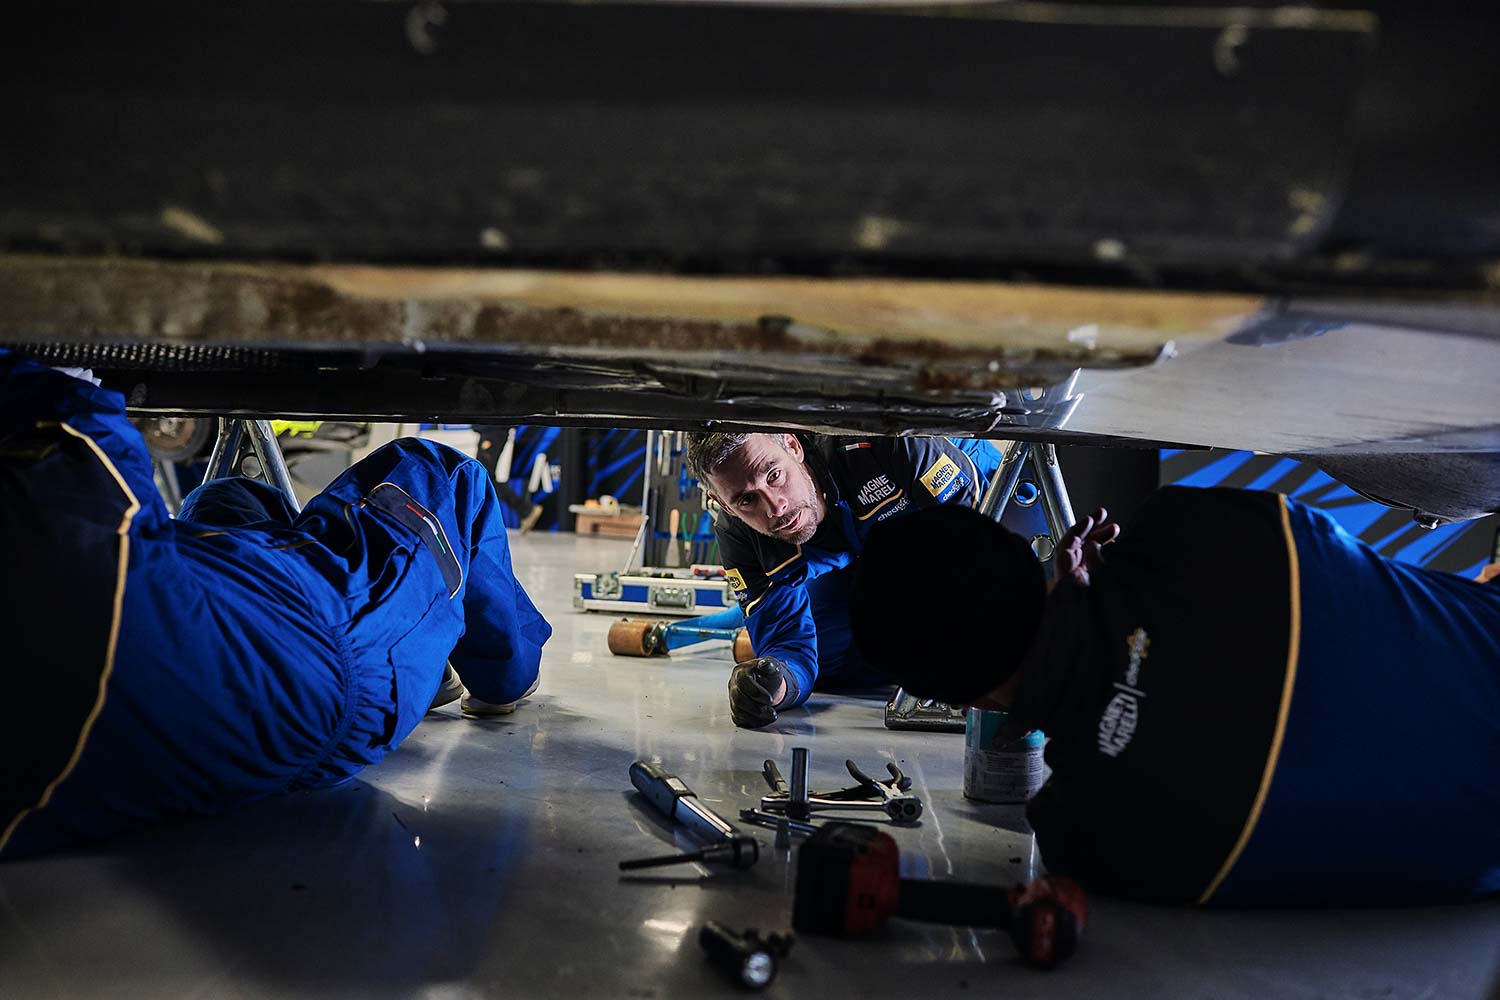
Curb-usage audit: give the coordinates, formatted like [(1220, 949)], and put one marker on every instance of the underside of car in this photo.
[(1252, 226)]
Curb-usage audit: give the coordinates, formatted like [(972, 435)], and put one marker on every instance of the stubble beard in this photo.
[(809, 509)]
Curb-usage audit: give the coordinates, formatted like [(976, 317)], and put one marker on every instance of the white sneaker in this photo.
[(450, 688), (473, 708)]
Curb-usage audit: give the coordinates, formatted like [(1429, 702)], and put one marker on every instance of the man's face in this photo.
[(766, 483)]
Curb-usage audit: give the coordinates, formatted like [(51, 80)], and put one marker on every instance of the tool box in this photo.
[(674, 542), (656, 591)]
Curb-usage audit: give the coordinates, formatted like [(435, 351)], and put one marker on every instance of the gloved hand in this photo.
[(87, 374), (753, 686)]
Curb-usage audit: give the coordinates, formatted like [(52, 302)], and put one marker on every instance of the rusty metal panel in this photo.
[(925, 335)]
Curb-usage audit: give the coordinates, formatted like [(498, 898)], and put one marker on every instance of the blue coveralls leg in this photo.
[(247, 661), (236, 502)]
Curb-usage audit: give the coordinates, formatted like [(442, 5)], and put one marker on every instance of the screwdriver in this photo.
[(675, 800), (739, 852)]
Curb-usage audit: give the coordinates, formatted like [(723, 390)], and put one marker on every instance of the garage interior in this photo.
[(1206, 244), (480, 860)]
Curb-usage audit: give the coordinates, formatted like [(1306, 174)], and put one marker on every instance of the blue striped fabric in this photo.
[(1452, 548)]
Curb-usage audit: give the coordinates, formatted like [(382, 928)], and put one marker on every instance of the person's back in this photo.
[(1247, 705), (1392, 738)]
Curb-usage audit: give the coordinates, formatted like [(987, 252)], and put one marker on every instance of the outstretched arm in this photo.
[(779, 618), (781, 627), (1080, 550)]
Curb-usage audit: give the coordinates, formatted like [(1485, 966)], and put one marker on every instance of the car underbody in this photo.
[(1265, 228)]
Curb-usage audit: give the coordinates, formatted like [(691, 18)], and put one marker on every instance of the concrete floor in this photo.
[(480, 858)]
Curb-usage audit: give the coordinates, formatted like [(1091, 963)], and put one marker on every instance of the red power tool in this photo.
[(848, 884)]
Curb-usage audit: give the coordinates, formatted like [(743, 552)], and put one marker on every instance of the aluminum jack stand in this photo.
[(248, 448)]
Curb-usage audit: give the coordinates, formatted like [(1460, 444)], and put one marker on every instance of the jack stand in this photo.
[(248, 448)]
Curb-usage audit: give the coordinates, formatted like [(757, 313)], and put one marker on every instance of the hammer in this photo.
[(848, 885), (638, 637)]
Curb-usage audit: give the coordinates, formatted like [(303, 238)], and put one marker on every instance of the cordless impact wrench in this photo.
[(848, 885)]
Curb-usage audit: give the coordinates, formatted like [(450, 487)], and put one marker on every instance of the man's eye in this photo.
[(773, 477)]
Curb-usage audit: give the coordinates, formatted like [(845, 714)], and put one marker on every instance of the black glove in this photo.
[(752, 688)]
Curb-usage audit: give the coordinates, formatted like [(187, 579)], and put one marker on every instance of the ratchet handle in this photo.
[(676, 801), (661, 789)]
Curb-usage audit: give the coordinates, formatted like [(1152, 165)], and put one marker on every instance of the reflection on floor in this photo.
[(480, 860)]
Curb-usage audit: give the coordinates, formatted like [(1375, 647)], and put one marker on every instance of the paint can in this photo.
[(997, 769)]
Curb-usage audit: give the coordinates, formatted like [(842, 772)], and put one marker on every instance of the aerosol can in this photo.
[(997, 768)]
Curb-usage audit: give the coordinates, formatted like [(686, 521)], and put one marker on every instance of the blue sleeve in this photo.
[(986, 456), (781, 625), (778, 615), (32, 393)]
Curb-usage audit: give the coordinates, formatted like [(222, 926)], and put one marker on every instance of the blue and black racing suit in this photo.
[(796, 597), (1270, 711)]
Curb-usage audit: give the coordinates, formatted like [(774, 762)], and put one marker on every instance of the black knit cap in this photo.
[(945, 602)]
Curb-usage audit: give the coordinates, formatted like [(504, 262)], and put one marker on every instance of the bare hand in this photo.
[(1079, 551)]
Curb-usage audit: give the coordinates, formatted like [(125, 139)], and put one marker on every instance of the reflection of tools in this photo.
[(676, 801), (907, 711), (890, 797), (637, 637), (747, 959), (848, 885)]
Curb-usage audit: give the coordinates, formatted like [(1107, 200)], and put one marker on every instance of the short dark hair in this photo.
[(946, 602), (707, 450)]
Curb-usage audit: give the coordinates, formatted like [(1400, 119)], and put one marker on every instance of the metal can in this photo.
[(997, 769)]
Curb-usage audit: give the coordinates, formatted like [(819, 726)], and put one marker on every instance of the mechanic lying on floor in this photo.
[(157, 668), (799, 509), (1245, 704)]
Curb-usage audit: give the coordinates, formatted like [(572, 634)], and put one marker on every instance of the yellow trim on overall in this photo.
[(778, 569), (872, 511), (114, 635), (1294, 640), (771, 583), (978, 481)]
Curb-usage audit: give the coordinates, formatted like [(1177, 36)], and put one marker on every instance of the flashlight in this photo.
[(748, 959)]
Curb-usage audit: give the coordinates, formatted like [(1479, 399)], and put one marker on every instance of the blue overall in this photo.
[(242, 652), (1392, 735)]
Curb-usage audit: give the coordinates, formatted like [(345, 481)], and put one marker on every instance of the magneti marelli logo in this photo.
[(1122, 714)]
